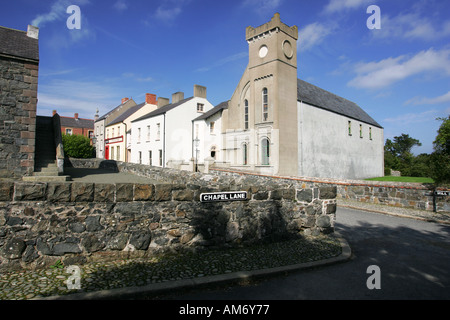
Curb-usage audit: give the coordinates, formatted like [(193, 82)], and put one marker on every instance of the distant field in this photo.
[(403, 179)]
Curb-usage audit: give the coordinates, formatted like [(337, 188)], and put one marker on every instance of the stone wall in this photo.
[(18, 100), (78, 222), (396, 194)]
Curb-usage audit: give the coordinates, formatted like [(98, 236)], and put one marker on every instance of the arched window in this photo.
[(265, 152), (265, 104), (244, 154), (246, 114)]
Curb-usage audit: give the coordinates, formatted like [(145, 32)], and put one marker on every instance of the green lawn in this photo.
[(403, 179)]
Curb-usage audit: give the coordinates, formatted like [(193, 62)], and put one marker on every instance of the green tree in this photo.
[(77, 146), (397, 153), (440, 158)]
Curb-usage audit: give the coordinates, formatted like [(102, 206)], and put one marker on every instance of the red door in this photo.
[(107, 152)]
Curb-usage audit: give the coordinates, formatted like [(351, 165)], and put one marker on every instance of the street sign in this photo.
[(223, 196), (440, 193)]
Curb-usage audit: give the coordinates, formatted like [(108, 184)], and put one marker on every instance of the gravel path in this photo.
[(169, 267)]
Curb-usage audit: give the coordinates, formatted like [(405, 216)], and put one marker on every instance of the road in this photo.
[(413, 259)]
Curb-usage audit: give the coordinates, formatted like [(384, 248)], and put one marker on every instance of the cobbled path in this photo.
[(169, 267)]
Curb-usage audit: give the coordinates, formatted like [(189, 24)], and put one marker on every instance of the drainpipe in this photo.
[(164, 142)]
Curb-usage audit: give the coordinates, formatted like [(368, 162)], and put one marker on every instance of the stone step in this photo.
[(46, 178), (46, 173)]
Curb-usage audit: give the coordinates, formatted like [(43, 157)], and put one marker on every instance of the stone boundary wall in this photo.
[(81, 222), (396, 194)]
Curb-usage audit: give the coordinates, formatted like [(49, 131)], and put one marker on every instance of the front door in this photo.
[(107, 152)]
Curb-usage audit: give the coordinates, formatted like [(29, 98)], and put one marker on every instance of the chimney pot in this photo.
[(150, 98), (199, 91), (124, 100), (33, 32), (76, 116), (163, 102), (177, 96)]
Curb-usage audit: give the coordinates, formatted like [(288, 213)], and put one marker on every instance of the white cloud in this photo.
[(70, 96), (169, 10), (411, 118), (340, 5), (437, 100), (388, 71), (411, 26), (120, 5), (223, 61), (312, 35), (263, 7), (57, 12)]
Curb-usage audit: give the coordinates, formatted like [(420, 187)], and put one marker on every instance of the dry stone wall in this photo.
[(79, 222)]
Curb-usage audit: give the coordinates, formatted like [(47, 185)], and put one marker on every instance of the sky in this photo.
[(399, 72)]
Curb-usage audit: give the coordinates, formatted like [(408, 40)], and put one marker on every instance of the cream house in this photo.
[(117, 144)]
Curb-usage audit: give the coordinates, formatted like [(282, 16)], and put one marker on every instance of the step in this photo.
[(46, 178), (46, 173)]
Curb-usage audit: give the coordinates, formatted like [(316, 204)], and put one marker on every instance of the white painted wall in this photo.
[(175, 134), (327, 150)]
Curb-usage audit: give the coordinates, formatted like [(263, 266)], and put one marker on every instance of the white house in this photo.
[(165, 136)]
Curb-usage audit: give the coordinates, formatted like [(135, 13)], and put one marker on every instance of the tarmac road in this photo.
[(413, 259)]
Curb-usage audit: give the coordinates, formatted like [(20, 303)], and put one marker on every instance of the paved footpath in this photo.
[(439, 217)]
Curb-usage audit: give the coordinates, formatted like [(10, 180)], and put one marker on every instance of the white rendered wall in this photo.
[(326, 149)]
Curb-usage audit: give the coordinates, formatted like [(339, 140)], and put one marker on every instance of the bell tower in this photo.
[(272, 72)]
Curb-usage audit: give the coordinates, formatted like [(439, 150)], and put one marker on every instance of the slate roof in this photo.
[(106, 115), (163, 109), (80, 123), (126, 114), (16, 43), (213, 111), (323, 99)]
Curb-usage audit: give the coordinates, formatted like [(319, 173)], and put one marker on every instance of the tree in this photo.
[(440, 158), (397, 153), (77, 146)]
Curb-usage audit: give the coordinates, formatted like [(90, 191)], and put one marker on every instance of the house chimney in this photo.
[(54, 112), (199, 91), (150, 98), (33, 32), (124, 100), (76, 116), (163, 102), (96, 116), (177, 96)]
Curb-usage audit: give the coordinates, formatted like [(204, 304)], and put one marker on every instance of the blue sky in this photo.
[(399, 74)]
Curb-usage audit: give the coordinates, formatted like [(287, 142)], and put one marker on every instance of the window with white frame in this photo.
[(158, 131), (246, 114), (265, 151), (148, 133), (245, 154), (211, 127), (265, 104)]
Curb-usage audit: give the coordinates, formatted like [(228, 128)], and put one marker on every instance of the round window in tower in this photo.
[(263, 51), (287, 49)]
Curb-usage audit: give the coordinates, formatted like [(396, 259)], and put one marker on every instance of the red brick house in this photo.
[(77, 126)]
